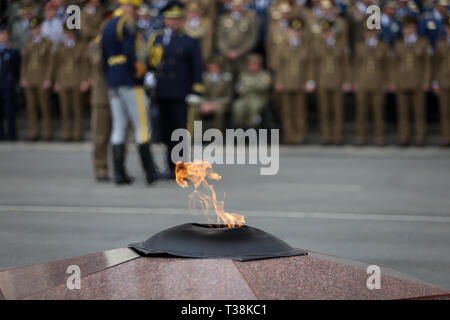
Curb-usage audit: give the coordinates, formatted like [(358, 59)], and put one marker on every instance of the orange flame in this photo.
[(203, 197)]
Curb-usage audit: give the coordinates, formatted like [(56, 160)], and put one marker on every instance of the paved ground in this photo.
[(387, 206)]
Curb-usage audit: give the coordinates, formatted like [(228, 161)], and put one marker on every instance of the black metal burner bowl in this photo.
[(194, 240)]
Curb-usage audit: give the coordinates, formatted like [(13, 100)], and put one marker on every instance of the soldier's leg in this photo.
[(101, 133), (378, 117), (77, 114), (239, 112), (137, 110), (45, 113), (256, 107), (177, 120), (119, 118), (403, 117), (419, 117), (137, 105), (299, 116), (444, 105), (286, 119), (9, 104), (65, 115), (324, 110), (118, 136), (361, 117), (338, 119), (31, 94), (2, 107), (219, 118)]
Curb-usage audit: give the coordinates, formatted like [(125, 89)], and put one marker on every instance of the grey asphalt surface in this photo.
[(389, 206)]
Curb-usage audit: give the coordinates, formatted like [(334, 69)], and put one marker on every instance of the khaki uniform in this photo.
[(332, 72), (68, 63), (101, 114), (253, 90), (209, 9), (35, 69), (356, 19), (204, 33), (275, 34), (277, 26), (293, 70), (370, 77), (442, 76), (410, 70), (219, 90), (237, 34), (91, 23)]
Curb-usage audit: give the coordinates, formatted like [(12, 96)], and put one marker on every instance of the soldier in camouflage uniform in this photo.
[(218, 94), (253, 87)]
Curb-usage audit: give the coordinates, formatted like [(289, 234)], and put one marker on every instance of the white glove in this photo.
[(150, 80), (193, 99)]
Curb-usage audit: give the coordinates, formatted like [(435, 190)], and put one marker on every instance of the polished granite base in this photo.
[(123, 274)]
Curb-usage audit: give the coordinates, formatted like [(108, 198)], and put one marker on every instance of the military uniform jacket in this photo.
[(9, 67), (332, 65), (254, 83), (37, 62), (219, 90), (91, 23), (67, 65), (293, 67), (178, 65), (240, 34), (203, 33), (371, 66), (442, 71), (411, 65), (118, 52), (94, 73)]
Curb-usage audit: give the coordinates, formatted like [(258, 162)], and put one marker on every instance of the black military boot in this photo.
[(121, 177), (147, 163)]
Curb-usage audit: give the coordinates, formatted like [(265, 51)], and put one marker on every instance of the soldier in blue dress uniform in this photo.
[(390, 26), (431, 23), (9, 71), (128, 102), (176, 61)]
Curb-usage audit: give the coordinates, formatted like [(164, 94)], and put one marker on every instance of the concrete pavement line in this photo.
[(272, 214)]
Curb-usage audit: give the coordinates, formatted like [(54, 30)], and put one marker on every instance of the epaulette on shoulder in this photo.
[(124, 22), (153, 37)]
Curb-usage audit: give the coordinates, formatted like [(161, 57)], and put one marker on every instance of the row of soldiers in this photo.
[(299, 62), (309, 51)]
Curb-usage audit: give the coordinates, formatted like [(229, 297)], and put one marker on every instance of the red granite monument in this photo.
[(226, 260)]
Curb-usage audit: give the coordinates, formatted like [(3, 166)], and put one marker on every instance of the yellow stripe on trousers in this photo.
[(142, 114)]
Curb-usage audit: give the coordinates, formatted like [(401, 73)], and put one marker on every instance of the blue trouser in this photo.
[(173, 115), (7, 108)]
